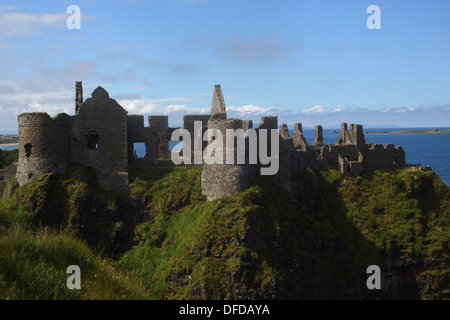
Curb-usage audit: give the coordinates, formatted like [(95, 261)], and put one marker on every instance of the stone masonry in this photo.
[(102, 135)]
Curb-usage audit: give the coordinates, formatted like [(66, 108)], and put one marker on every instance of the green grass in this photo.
[(403, 211), (43, 231), (33, 266)]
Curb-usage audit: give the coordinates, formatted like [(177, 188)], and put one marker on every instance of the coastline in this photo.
[(8, 144), (406, 131)]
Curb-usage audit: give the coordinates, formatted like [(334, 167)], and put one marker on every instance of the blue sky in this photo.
[(313, 62)]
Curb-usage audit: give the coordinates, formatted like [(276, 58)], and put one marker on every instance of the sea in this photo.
[(427, 149)]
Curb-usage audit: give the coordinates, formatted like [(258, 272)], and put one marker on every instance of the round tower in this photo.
[(43, 145), (222, 179)]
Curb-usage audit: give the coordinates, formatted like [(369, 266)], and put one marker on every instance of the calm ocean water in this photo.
[(426, 149)]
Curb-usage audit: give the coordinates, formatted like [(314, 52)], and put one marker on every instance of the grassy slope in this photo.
[(262, 243), (41, 232)]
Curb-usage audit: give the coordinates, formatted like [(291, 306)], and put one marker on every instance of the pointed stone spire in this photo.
[(218, 108)]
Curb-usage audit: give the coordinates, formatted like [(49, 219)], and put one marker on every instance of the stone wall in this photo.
[(137, 133), (159, 128), (286, 159), (377, 157)]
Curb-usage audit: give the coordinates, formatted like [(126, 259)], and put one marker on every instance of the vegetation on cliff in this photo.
[(57, 221), (165, 241), (8, 157)]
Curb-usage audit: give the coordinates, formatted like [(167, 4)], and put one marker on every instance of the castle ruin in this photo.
[(101, 134)]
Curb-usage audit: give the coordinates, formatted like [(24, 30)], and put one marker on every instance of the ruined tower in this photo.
[(44, 145), (226, 179)]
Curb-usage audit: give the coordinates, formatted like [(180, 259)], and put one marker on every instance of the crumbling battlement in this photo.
[(102, 135)]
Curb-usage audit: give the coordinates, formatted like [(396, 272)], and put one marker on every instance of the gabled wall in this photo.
[(103, 117)]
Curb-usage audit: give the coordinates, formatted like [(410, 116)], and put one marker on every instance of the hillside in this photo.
[(8, 157), (166, 242)]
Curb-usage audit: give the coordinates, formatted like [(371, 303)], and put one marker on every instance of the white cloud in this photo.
[(154, 106), (176, 107), (140, 106), (50, 108), (15, 23), (249, 109), (315, 109)]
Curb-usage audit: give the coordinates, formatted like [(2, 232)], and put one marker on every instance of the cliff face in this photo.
[(313, 243)]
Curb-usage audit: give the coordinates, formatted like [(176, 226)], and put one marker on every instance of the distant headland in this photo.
[(409, 131), (422, 131), (9, 139)]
